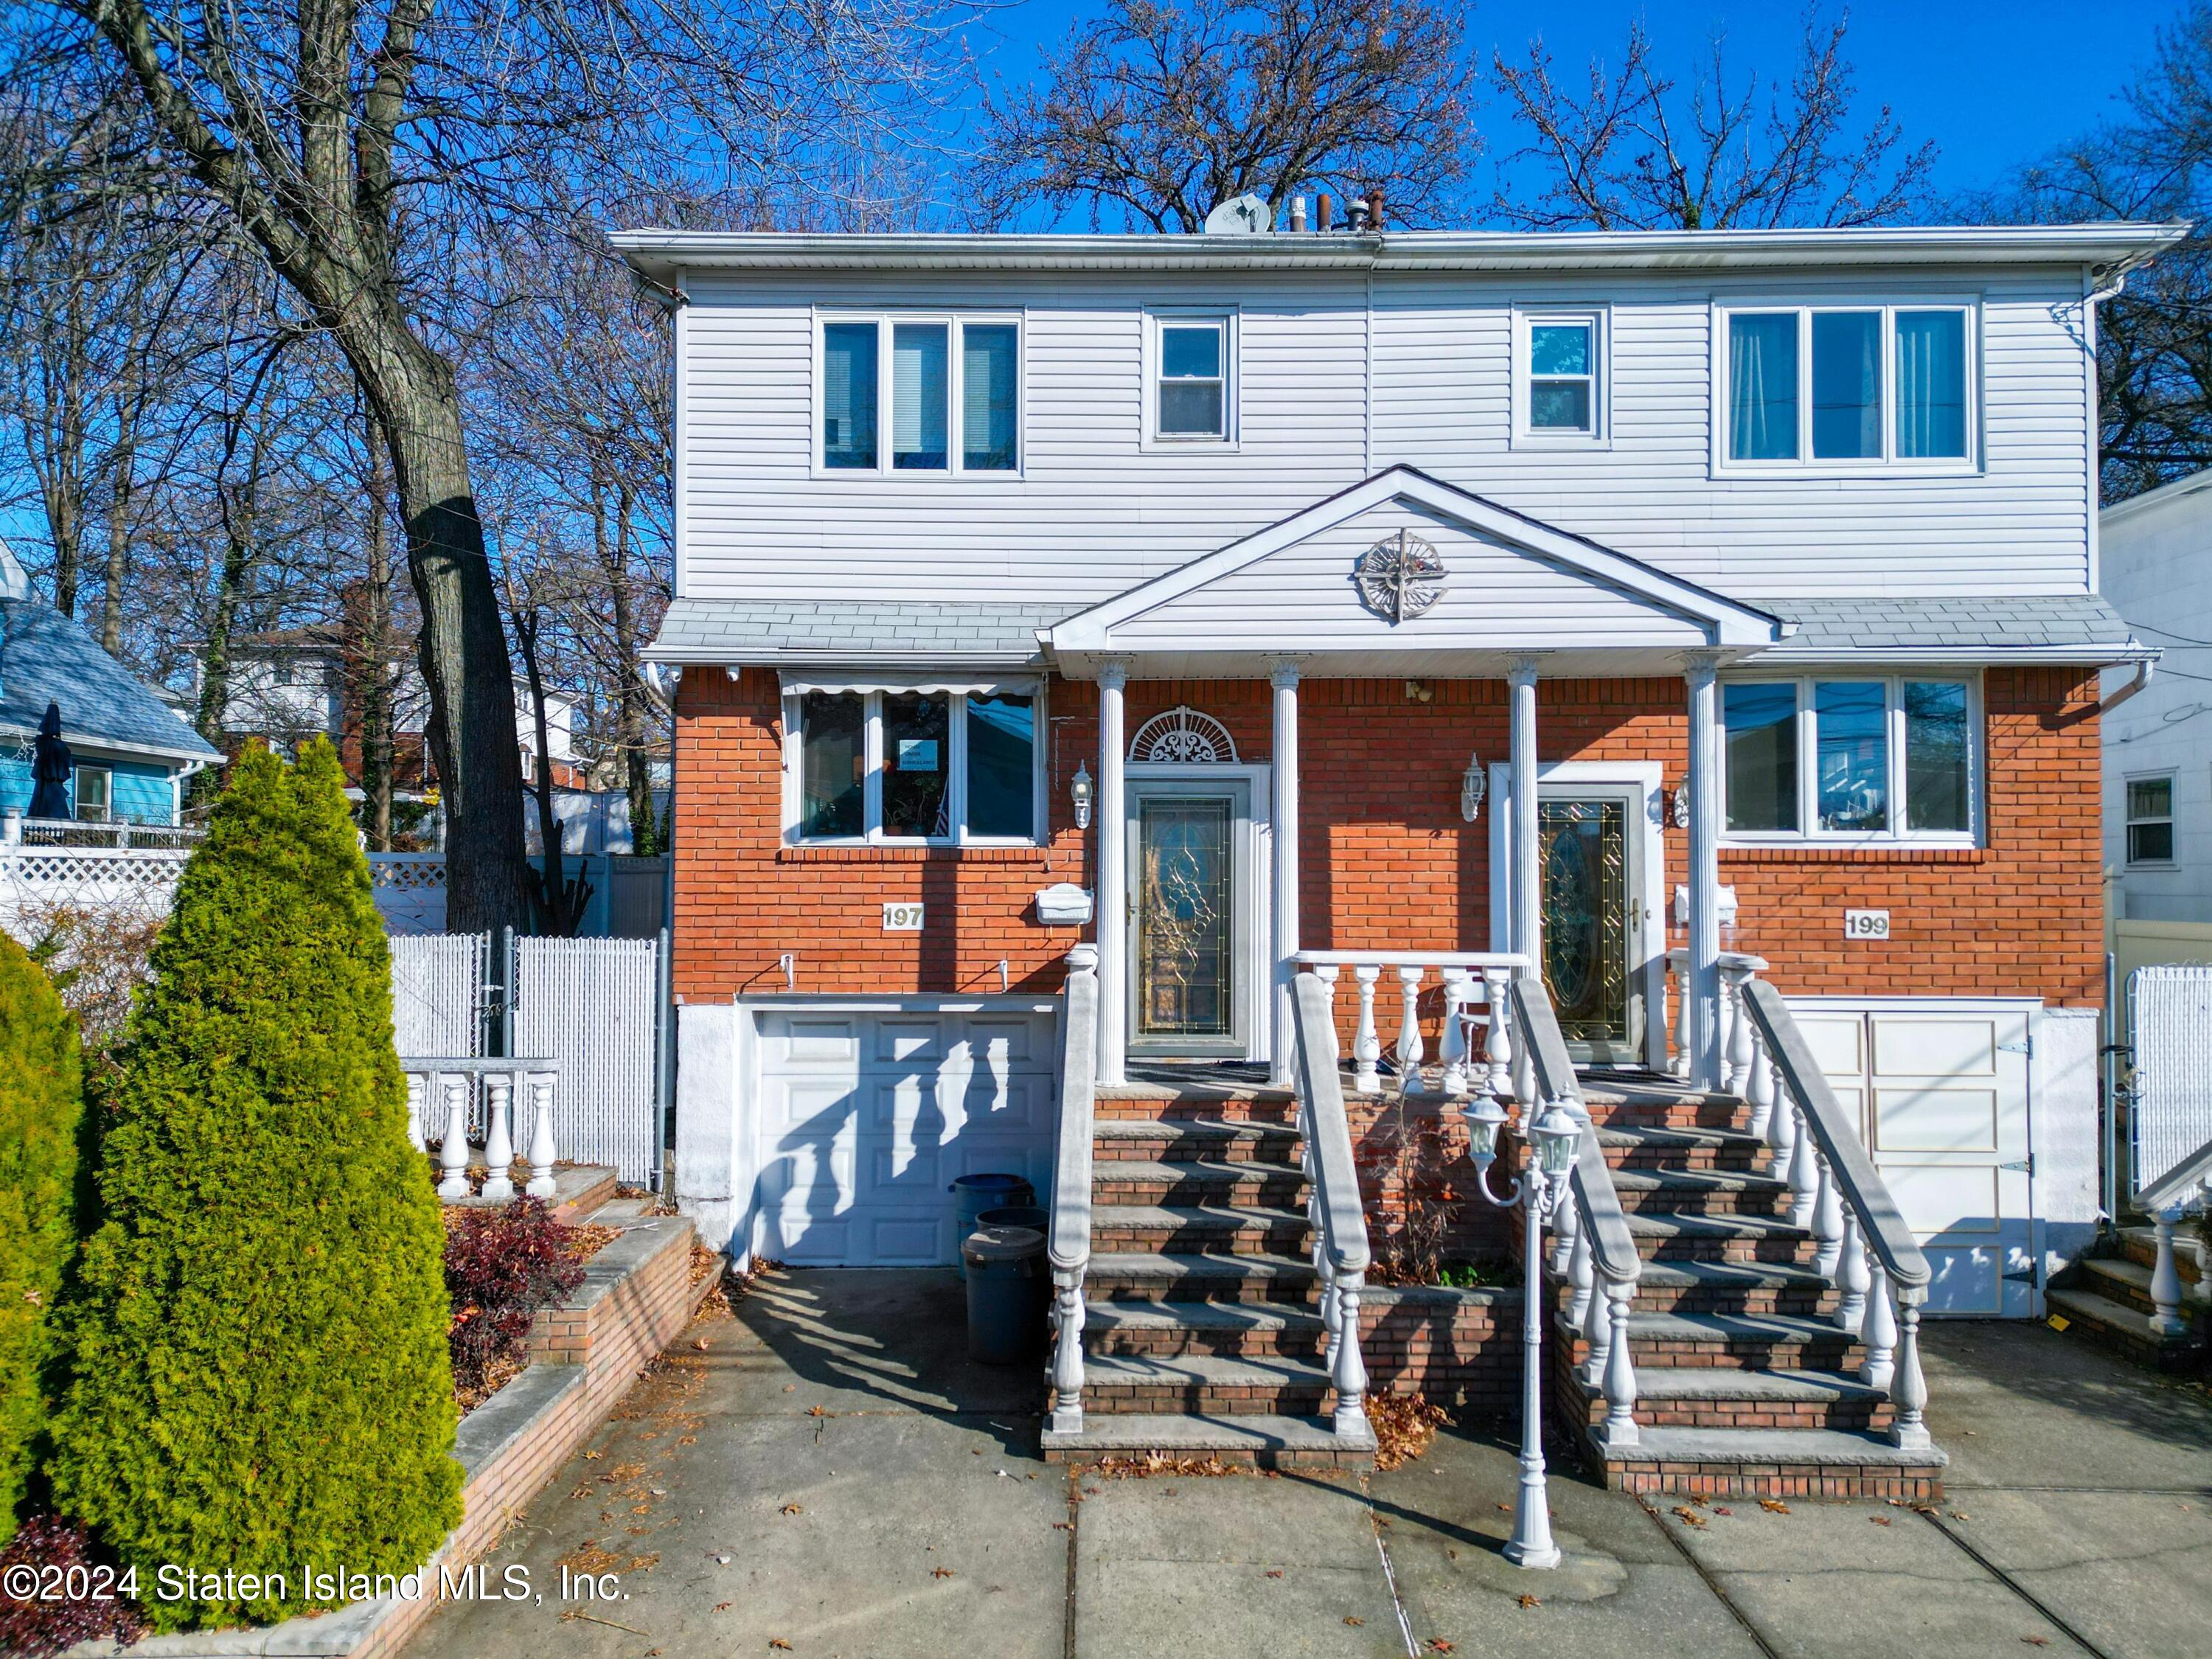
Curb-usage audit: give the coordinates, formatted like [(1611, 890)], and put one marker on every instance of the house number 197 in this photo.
[(901, 918), (1866, 924)]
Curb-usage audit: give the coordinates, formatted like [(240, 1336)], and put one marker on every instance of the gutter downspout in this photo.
[(2144, 670)]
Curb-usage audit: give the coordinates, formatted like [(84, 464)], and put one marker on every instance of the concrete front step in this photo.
[(1772, 1463), (1749, 1341), (2126, 1330), (1745, 1288), (1197, 1180), (2125, 1282), (1210, 1385), (1669, 1191), (1699, 1397), (1267, 1441), (1150, 1140), (1628, 1147), (1721, 1238), (1245, 1229), (1199, 1276), (1230, 1329)]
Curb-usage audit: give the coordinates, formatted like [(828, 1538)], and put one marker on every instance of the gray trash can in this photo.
[(1008, 1290), (975, 1193), (1017, 1215)]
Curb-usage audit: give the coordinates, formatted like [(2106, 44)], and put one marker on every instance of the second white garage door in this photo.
[(865, 1116)]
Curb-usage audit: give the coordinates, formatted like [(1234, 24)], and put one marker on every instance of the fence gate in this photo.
[(595, 1005), (2170, 1031), (438, 994)]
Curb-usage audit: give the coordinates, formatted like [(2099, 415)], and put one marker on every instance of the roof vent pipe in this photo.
[(1375, 208), (1355, 209), (1324, 212), (1297, 213)]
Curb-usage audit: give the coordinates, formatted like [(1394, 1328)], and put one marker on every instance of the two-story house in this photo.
[(1421, 608)]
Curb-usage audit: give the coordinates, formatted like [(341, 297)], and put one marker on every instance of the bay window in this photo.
[(1854, 758), (929, 763), (923, 395), (1842, 385)]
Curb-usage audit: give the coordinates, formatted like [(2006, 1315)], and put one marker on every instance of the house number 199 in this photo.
[(901, 918), (1866, 924)]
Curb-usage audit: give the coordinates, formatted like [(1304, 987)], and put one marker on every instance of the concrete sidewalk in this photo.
[(826, 1469)]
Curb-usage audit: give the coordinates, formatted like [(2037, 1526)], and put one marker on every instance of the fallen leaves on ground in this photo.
[(2037, 1641), (1157, 1463), (1690, 1516), (1438, 1644), (817, 1411), (1774, 1506), (940, 1573), (1405, 1425), (724, 1607), (778, 1642), (1354, 1623), (791, 1509), (589, 1558), (1274, 1572), (1882, 1520), (584, 1241), (1528, 1600)]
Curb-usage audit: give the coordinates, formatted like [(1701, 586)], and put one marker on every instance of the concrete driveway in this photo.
[(824, 1473)]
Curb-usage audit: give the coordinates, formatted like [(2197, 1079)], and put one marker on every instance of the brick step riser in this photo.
[(1794, 1303), (1282, 1192), (1675, 1115), (2117, 1290), (1216, 1344), (1861, 1416), (1274, 1114), (1759, 1252), (1171, 1150), (1766, 1206), (1809, 1481), (2145, 1255), (1291, 1400), (1101, 1283), (1706, 1160), (1107, 1239), (1727, 1354)]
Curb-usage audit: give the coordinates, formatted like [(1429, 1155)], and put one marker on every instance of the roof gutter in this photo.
[(2144, 670)]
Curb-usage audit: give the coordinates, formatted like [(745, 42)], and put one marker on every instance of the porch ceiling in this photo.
[(1508, 586)]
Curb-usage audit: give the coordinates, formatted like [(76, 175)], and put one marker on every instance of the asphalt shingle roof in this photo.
[(1995, 622), (46, 658), (708, 630)]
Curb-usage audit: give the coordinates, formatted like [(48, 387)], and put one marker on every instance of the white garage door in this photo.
[(865, 1117), (1939, 1087)]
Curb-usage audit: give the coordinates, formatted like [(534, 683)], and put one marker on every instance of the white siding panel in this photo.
[(1094, 512), (1304, 598)]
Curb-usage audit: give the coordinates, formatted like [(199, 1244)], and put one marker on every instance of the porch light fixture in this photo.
[(1678, 809), (1472, 786), (1553, 1135), (1080, 791)]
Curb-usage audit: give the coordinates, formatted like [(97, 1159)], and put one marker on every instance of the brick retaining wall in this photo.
[(1458, 1348)]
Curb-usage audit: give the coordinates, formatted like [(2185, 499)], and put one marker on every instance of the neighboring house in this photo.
[(288, 684), (133, 752), (1425, 595), (2154, 562)]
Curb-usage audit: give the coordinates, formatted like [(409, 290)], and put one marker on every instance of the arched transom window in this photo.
[(1182, 737)]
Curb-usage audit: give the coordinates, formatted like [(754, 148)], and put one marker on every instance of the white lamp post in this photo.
[(1553, 1135)]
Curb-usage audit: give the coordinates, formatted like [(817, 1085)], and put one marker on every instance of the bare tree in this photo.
[(1160, 110), (365, 146), (1636, 152)]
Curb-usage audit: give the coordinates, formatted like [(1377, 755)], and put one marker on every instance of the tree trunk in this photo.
[(462, 650), (215, 655), (631, 697), (123, 473), (376, 656)]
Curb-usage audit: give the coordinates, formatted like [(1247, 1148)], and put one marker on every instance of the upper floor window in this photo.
[(1193, 384), (1887, 758), (920, 765), (923, 394), (1559, 375), (2151, 820), (1822, 386), (92, 794)]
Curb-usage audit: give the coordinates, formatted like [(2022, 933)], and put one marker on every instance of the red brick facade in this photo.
[(1388, 861)]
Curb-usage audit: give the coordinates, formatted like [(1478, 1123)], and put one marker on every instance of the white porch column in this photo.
[(1525, 934), (1705, 786), (1111, 827), (1284, 771)]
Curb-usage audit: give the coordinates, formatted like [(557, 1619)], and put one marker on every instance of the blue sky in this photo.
[(1992, 81)]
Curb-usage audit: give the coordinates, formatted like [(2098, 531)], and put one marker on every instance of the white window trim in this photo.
[(885, 318), (1599, 318), (2172, 818), (78, 774), (872, 793), (1888, 464), (1233, 381), (1809, 783)]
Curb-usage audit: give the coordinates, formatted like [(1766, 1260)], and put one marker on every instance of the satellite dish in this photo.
[(1242, 216)]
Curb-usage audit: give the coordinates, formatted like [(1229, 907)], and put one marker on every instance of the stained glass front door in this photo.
[(1185, 939), (1587, 922)]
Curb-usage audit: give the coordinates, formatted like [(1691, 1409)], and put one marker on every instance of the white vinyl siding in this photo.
[(1097, 507)]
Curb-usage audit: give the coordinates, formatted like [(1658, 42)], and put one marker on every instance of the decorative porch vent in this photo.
[(1182, 737)]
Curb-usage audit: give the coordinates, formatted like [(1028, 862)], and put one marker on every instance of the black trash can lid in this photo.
[(1002, 1244)]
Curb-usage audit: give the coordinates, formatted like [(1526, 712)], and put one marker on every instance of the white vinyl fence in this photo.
[(595, 1005), (438, 994), (2170, 1031)]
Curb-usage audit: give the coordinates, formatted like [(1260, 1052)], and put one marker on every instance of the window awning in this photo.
[(1002, 685)]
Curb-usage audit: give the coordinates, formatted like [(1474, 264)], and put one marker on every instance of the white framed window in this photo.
[(1561, 360), (917, 395), (1852, 759), (1190, 378), (1844, 387), (2150, 819), (925, 765), (92, 795)]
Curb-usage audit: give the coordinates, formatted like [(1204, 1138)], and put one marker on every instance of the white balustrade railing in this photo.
[(2185, 1187), (119, 834), (1474, 985), (1862, 1242), (1067, 1245), (440, 1091), (1737, 969), (1591, 1243), (1340, 1250)]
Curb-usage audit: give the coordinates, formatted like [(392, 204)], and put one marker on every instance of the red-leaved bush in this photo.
[(60, 1554), (502, 1266)]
